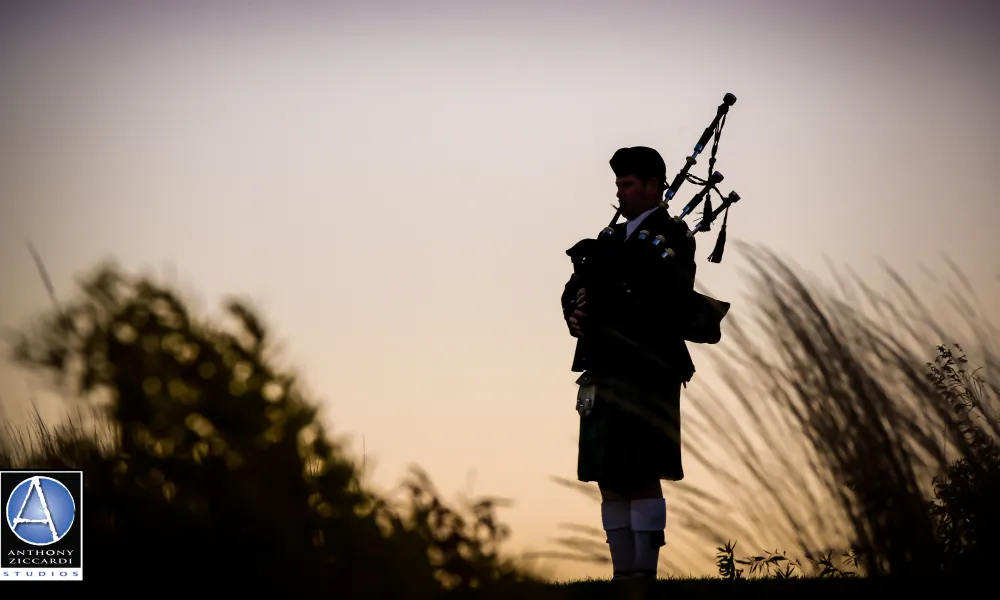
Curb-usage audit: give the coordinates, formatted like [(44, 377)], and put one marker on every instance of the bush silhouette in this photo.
[(965, 496), (217, 469)]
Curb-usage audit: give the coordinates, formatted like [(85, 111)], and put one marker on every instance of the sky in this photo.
[(394, 184)]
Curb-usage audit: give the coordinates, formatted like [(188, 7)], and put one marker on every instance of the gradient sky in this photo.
[(394, 184)]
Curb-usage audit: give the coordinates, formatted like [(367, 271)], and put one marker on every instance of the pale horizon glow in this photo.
[(394, 186)]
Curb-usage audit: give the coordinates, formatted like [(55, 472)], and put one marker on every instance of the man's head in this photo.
[(640, 176)]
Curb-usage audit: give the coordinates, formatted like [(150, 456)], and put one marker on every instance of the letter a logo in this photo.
[(46, 511)]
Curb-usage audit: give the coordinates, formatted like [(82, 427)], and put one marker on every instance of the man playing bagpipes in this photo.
[(634, 365), (632, 306)]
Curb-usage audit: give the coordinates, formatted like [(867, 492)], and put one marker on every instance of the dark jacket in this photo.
[(648, 342)]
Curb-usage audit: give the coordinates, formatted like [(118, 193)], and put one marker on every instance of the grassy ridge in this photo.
[(208, 463)]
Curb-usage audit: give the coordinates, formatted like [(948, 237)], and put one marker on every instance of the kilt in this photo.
[(630, 429)]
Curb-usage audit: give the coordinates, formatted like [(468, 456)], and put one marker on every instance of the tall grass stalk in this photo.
[(827, 427)]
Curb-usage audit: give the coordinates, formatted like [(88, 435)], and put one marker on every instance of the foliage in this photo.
[(777, 565), (965, 496), (964, 503), (218, 467)]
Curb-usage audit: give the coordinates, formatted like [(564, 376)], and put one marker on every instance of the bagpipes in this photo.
[(624, 280)]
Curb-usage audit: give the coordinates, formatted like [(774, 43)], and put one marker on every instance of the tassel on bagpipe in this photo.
[(630, 278)]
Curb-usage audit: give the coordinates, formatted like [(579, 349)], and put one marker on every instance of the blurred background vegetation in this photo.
[(864, 439), (205, 459)]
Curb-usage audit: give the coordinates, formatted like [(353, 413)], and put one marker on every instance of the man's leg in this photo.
[(648, 516), (616, 517)]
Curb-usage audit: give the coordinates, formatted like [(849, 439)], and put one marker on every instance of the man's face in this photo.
[(636, 196)]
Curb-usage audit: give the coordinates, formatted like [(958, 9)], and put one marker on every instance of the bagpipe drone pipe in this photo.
[(638, 284)]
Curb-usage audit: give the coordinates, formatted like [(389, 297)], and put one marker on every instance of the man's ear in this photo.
[(653, 187)]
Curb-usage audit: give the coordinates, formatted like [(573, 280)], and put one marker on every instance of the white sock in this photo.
[(616, 518), (649, 519)]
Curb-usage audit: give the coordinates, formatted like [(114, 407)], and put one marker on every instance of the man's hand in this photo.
[(576, 319)]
